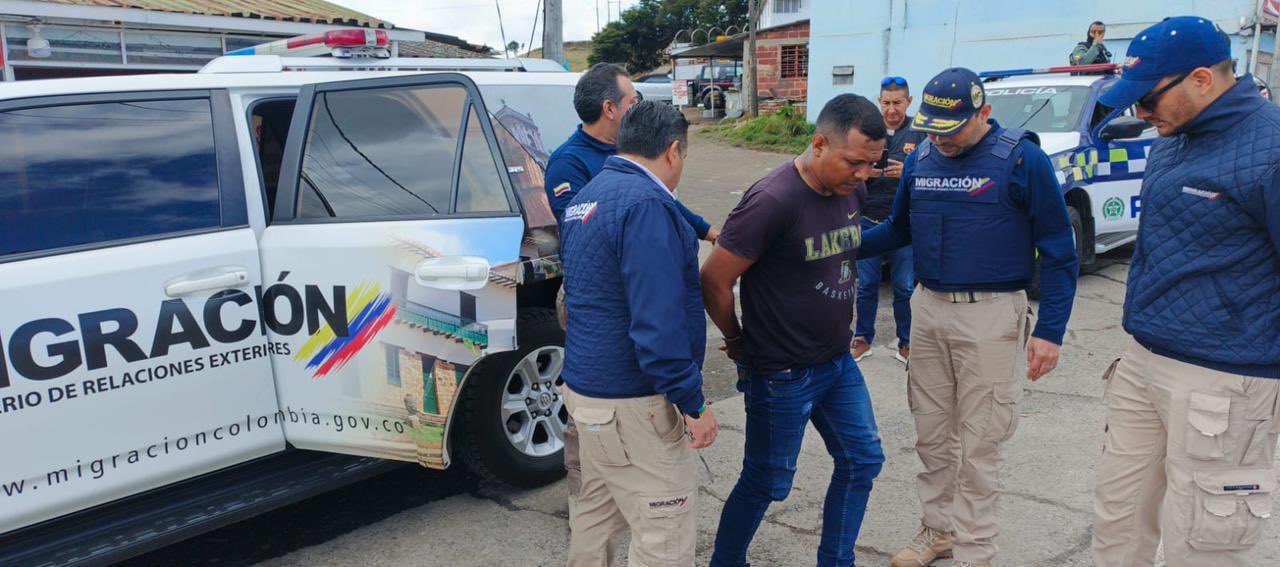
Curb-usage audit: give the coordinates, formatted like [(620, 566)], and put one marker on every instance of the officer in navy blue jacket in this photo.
[(1192, 404), (634, 349), (601, 98), (977, 201)]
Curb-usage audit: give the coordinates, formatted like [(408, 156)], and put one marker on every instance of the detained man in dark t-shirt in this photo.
[(792, 240)]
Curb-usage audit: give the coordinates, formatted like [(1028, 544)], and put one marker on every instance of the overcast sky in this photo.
[(477, 20)]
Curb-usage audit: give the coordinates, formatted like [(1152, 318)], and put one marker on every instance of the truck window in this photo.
[(270, 122), (479, 188), (105, 172), (386, 152)]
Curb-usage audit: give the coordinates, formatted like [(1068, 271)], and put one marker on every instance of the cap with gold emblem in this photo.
[(950, 100)]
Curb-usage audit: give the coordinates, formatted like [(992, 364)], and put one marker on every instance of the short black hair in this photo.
[(848, 111), (649, 128), (598, 84)]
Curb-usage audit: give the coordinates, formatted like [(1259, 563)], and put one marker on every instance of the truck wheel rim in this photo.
[(533, 410)]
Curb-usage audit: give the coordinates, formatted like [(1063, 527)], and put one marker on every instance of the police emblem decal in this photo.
[(1113, 208), (975, 92)]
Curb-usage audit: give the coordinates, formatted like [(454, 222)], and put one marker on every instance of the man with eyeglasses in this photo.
[(1193, 404), (895, 98), (977, 201)]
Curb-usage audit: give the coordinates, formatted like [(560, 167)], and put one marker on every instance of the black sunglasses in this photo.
[(1149, 101), (893, 80)]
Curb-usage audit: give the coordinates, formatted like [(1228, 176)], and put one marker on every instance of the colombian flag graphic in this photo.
[(982, 185), (368, 311)]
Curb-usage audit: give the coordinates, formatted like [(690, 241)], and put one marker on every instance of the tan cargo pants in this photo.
[(1188, 456), (963, 387), (638, 473), (572, 467)]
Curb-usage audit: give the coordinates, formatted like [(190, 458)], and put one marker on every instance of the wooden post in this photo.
[(553, 32), (753, 93)]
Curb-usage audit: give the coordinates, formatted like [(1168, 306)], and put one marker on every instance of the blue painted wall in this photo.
[(918, 38)]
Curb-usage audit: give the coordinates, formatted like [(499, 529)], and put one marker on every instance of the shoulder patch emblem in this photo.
[(561, 189)]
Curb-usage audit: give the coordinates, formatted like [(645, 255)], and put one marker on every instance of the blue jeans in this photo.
[(903, 276), (779, 405)]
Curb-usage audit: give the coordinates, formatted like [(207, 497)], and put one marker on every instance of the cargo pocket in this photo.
[(1208, 417), (1003, 420), (1231, 508), (664, 537), (1106, 377), (598, 438), (668, 423)]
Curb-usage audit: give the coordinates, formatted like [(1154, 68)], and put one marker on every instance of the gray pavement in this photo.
[(1049, 464)]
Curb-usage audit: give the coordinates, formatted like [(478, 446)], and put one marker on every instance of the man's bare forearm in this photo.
[(719, 303)]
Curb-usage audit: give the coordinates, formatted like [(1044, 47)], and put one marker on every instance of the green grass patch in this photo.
[(785, 132)]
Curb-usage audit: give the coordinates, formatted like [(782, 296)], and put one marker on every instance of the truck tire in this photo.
[(514, 414), (713, 99), (1077, 233)]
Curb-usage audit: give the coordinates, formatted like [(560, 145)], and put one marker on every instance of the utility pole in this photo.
[(502, 29), (753, 96), (1252, 65), (553, 31)]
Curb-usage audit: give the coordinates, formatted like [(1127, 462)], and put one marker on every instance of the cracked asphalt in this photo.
[(428, 518)]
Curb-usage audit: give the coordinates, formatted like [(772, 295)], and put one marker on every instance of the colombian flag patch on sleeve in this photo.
[(561, 189)]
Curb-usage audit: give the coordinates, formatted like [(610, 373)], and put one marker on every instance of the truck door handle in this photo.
[(453, 272), (234, 277)]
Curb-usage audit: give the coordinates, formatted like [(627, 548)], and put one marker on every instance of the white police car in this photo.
[(1099, 158), (221, 292)]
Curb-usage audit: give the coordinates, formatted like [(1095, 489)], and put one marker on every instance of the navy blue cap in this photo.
[(1171, 47), (950, 100)]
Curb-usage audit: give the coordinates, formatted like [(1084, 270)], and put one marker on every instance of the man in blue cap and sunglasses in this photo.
[(1192, 405), (895, 99), (976, 202)]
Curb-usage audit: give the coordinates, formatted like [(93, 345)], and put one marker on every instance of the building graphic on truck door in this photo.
[(431, 339)]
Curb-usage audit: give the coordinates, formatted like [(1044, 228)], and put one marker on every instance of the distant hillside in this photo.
[(576, 51)]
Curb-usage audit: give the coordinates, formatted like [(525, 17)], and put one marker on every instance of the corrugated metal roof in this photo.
[(301, 11)]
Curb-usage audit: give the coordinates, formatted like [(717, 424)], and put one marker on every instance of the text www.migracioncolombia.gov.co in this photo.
[(100, 467)]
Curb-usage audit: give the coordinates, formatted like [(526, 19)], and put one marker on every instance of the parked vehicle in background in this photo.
[(712, 82), (1099, 157), (654, 87), (226, 291)]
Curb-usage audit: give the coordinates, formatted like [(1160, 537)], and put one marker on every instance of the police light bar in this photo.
[(1106, 67), (338, 43)]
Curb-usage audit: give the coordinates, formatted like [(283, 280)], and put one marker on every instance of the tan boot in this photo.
[(928, 546)]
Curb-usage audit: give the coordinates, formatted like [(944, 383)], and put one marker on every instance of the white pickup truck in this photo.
[(224, 291)]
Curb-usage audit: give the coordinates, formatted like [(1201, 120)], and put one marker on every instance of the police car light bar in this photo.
[(338, 43), (1108, 67)]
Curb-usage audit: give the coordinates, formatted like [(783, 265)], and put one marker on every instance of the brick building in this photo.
[(782, 54)]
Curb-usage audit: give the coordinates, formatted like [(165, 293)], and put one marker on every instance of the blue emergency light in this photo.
[(1106, 67)]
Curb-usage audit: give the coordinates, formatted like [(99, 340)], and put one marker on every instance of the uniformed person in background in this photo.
[(1193, 406), (895, 99), (976, 201)]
